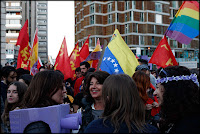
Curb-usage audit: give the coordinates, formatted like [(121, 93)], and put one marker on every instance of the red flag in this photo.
[(23, 41), (84, 52), (163, 55), (75, 60), (62, 61), (39, 63)]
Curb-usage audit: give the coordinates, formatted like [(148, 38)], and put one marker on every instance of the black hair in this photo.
[(21, 71), (27, 78), (180, 98), (78, 69), (5, 71), (143, 61), (41, 67), (87, 65)]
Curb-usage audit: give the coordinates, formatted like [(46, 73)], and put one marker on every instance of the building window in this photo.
[(174, 43), (7, 4), (131, 16), (125, 17), (117, 17), (141, 40), (42, 26), (91, 8), (79, 26), (136, 27), (158, 7), (90, 42), (158, 18), (133, 4), (161, 29), (142, 5), (9, 51), (99, 8), (154, 28), (152, 40), (92, 19), (175, 4), (141, 16), (126, 39), (13, 22), (172, 13), (126, 28), (109, 7), (15, 4), (42, 10), (88, 1), (126, 5), (109, 18)]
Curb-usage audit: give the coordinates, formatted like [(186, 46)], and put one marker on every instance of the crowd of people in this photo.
[(165, 100)]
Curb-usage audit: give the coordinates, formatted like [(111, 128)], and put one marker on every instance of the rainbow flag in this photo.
[(185, 25), (118, 57)]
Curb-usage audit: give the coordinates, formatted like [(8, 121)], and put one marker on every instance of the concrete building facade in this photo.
[(37, 14), (16, 13), (3, 33), (141, 24)]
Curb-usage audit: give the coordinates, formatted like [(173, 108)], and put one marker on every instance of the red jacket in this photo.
[(77, 85)]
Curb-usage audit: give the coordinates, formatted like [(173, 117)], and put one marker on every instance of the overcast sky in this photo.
[(60, 25)]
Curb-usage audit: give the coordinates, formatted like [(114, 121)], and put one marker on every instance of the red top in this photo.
[(77, 85)]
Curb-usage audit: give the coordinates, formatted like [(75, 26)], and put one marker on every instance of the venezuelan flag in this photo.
[(118, 58), (185, 25)]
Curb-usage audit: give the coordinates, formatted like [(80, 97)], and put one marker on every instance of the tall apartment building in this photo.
[(141, 24), (37, 14), (17, 12), (13, 27), (3, 33)]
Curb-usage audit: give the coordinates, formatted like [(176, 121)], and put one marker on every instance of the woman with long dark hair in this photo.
[(124, 110), (15, 95), (93, 102), (178, 96), (45, 89)]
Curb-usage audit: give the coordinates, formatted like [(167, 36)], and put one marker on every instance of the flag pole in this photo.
[(104, 46)]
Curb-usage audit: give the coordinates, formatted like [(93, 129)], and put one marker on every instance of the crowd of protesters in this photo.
[(165, 100)]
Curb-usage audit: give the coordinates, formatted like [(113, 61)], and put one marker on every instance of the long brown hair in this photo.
[(42, 87), (123, 103), (142, 81), (21, 89)]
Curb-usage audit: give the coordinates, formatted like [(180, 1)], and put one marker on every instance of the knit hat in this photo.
[(142, 67)]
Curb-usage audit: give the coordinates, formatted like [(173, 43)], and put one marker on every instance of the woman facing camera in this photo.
[(124, 110), (15, 95), (178, 96), (93, 102)]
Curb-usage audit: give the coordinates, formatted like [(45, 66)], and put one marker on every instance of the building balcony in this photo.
[(12, 35), (13, 8), (13, 26), (14, 17)]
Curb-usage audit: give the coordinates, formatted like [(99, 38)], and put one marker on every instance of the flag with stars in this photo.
[(118, 58)]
